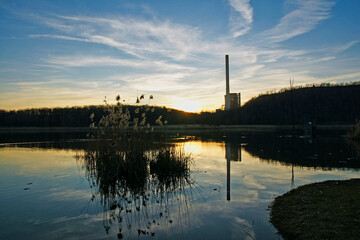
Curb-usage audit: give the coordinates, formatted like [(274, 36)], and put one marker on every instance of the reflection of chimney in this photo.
[(232, 153), (239, 152), (228, 179), (227, 97), (228, 159)]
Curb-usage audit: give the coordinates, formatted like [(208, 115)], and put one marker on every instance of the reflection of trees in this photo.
[(137, 183), (326, 153), (329, 150), (356, 146)]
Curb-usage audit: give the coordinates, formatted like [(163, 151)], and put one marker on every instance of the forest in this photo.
[(320, 104)]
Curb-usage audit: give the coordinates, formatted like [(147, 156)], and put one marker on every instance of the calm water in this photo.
[(49, 192)]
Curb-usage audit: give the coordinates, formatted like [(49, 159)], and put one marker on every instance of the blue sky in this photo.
[(72, 53)]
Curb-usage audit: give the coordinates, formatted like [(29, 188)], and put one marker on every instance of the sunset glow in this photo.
[(188, 106), (60, 54)]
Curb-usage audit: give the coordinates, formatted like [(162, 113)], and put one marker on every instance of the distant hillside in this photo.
[(319, 104)]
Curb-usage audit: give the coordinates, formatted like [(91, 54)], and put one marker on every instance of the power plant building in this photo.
[(232, 100), (235, 100)]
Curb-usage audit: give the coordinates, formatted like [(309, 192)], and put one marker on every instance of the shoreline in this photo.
[(334, 126)]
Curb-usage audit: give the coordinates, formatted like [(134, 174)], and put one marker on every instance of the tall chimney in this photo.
[(227, 97)]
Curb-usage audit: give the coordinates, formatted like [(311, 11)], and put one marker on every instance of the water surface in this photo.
[(49, 192)]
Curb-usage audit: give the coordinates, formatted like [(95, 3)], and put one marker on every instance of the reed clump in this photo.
[(137, 179), (138, 187)]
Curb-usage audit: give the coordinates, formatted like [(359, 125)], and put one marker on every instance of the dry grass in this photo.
[(326, 210)]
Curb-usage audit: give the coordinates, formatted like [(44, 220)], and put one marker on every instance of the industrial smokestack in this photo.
[(227, 97)]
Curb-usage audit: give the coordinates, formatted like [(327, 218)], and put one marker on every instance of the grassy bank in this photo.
[(354, 133), (326, 210)]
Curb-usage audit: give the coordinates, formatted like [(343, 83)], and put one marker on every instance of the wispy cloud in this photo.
[(343, 47), (160, 42), (133, 36), (151, 54), (301, 20), (158, 82), (101, 61), (241, 17)]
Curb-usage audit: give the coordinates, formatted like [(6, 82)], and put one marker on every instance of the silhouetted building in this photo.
[(232, 100), (235, 100)]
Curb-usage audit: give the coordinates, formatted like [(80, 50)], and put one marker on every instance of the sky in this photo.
[(74, 53)]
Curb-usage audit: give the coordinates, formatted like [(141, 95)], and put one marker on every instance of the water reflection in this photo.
[(131, 193), (232, 153), (326, 151), (318, 153), (139, 185)]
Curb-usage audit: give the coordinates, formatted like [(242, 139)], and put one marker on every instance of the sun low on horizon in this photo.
[(61, 54), (188, 106)]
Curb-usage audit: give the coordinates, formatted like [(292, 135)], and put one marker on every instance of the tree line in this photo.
[(324, 103)]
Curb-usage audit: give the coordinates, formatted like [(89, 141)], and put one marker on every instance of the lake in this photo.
[(62, 184)]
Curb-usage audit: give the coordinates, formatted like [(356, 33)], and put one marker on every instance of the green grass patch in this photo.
[(325, 210)]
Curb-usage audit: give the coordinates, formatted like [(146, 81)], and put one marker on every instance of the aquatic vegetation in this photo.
[(137, 187), (119, 117), (136, 180)]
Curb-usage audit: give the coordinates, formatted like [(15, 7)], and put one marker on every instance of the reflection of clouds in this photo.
[(215, 220), (86, 218), (246, 197), (245, 227), (252, 182), (242, 221), (69, 227), (35, 161), (274, 175), (70, 194), (211, 167), (68, 211)]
